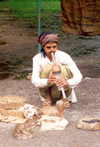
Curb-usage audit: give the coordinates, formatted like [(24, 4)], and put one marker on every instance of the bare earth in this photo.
[(16, 58)]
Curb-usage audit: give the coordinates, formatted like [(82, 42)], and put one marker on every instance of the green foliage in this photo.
[(20, 8), (21, 75), (28, 8), (87, 38), (50, 7), (16, 62), (82, 50)]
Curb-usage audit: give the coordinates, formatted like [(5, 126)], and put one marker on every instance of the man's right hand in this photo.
[(51, 79)]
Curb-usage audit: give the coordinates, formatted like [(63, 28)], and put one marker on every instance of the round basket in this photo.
[(51, 111), (5, 99), (89, 123), (53, 123), (12, 109)]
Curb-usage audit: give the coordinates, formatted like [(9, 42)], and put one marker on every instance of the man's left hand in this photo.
[(61, 82)]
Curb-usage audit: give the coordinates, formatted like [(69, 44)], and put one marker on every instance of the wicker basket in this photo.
[(5, 99), (12, 109), (51, 111)]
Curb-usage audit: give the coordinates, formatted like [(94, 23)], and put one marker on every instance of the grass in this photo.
[(20, 9), (27, 9)]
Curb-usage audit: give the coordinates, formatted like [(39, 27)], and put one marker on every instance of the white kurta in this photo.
[(62, 58)]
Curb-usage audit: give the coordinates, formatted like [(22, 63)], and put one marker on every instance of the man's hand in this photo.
[(61, 82), (51, 79)]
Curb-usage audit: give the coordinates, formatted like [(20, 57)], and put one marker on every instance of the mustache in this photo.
[(51, 52)]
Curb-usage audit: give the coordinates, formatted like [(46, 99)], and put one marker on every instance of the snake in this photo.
[(25, 130)]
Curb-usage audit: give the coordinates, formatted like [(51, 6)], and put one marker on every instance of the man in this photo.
[(46, 81)]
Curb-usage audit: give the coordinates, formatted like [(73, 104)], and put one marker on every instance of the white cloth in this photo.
[(62, 58)]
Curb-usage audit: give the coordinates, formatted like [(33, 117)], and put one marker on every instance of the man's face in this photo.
[(50, 47)]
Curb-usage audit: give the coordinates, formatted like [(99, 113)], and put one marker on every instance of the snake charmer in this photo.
[(46, 81)]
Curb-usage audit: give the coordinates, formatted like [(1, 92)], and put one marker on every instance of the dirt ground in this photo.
[(88, 105), (18, 46)]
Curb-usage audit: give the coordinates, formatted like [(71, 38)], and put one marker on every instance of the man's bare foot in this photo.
[(66, 103), (47, 102)]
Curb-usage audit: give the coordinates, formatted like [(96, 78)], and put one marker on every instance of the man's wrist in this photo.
[(67, 84), (48, 82)]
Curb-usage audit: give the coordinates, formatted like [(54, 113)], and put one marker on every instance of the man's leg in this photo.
[(47, 102), (51, 93), (45, 92), (65, 74)]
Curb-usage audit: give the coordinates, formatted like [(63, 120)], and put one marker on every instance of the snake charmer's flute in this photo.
[(56, 71)]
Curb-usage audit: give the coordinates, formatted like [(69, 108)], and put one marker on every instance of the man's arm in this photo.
[(77, 76), (36, 73)]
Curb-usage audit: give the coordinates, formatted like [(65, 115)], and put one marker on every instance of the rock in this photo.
[(2, 42), (29, 76)]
